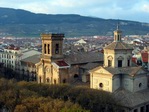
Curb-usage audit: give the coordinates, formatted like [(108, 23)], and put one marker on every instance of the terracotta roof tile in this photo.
[(61, 63)]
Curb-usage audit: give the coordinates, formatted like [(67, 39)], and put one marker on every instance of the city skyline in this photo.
[(135, 10)]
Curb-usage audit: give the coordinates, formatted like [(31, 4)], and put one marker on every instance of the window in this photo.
[(119, 63), (40, 79), (128, 62), (48, 80), (109, 63), (142, 109), (48, 48), (76, 76), (56, 48), (140, 85), (136, 110), (100, 85), (147, 108), (45, 48), (54, 81)]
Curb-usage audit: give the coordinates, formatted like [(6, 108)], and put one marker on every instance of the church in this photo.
[(127, 82), (52, 69)]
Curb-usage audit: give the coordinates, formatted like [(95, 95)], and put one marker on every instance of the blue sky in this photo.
[(136, 10)]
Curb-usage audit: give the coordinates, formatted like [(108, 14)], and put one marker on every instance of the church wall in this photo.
[(140, 83), (128, 83), (55, 76), (48, 74), (105, 81), (64, 74), (135, 84), (116, 83)]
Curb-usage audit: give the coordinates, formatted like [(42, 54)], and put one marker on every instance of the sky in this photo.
[(135, 10)]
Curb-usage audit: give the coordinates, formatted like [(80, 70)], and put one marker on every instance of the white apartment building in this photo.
[(10, 56)]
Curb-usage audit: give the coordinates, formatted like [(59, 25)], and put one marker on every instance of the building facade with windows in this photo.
[(10, 56), (127, 82)]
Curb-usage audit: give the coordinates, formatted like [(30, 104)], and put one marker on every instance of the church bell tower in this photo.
[(52, 69), (52, 46)]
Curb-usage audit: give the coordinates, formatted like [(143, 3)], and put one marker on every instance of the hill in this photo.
[(24, 23)]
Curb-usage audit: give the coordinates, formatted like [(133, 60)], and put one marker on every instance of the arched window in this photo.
[(110, 58), (140, 85), (118, 36), (48, 48), (45, 48)]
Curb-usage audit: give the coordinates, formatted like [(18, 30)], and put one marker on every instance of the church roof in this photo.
[(84, 57), (130, 99), (61, 64), (90, 66), (118, 45), (121, 70), (32, 59)]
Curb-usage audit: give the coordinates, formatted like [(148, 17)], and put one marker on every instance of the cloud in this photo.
[(145, 8)]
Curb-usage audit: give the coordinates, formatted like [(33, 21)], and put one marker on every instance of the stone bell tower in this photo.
[(52, 68), (52, 46)]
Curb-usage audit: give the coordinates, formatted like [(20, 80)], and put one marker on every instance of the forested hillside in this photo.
[(24, 23)]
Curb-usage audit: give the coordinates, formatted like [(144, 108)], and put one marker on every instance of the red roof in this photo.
[(144, 56), (134, 59), (13, 48), (61, 63)]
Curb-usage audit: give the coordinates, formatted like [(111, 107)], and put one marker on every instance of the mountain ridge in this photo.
[(20, 22)]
